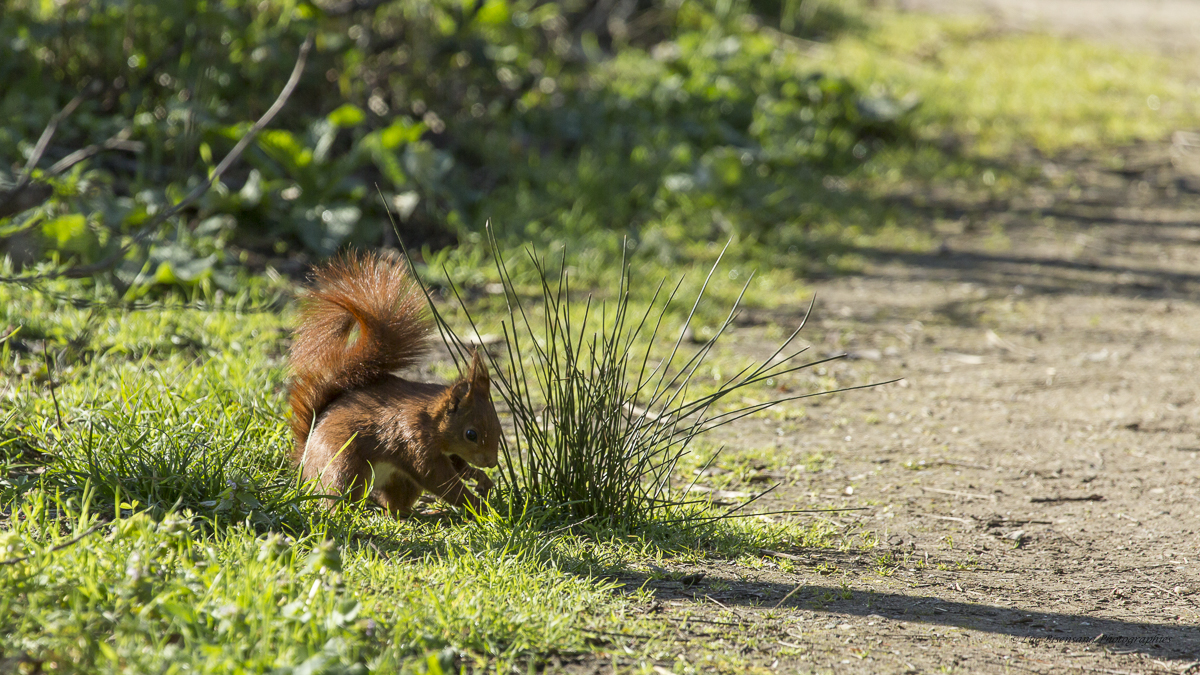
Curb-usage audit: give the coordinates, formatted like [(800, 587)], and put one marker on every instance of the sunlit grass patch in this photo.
[(173, 427), (166, 453), (143, 595), (1002, 90), (196, 437)]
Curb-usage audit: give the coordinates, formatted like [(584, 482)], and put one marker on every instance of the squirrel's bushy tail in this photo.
[(367, 292)]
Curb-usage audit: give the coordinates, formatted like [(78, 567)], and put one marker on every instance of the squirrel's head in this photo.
[(470, 426)]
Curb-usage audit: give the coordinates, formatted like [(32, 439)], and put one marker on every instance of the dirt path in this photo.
[(1034, 483), (1035, 486)]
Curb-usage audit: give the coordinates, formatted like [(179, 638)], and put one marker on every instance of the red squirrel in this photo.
[(358, 426)]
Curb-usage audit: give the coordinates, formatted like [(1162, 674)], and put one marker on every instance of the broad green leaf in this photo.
[(494, 13), (346, 116), (71, 234), (64, 230), (401, 131), (282, 146)]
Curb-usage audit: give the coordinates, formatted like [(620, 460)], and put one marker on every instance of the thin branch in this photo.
[(274, 304), (59, 547), (23, 196), (44, 140), (35, 193), (197, 192), (790, 594), (118, 142), (50, 377)]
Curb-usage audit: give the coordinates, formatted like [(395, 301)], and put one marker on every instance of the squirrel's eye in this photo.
[(472, 435)]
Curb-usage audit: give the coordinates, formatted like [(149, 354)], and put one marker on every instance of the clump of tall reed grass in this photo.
[(601, 394)]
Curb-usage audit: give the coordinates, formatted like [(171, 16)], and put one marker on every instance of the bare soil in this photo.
[(1033, 483)]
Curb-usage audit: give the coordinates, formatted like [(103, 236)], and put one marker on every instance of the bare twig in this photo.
[(44, 140), (790, 594), (119, 305), (197, 192), (1068, 537), (956, 493), (118, 142), (957, 520), (1053, 500), (50, 377), (23, 196)]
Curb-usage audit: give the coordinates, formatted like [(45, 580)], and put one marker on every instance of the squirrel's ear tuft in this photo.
[(458, 393), (479, 372)]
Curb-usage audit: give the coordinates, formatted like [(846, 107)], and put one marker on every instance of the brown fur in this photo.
[(357, 426)]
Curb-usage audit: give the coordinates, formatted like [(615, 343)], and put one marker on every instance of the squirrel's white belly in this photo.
[(384, 473)]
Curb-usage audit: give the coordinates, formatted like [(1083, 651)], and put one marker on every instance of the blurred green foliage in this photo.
[(659, 119)]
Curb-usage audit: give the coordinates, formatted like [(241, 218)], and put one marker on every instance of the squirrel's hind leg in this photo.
[(336, 474), (335, 458)]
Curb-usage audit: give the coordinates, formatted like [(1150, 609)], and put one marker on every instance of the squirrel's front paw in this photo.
[(483, 485)]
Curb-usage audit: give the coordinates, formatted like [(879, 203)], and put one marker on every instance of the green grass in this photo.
[(1004, 91), (141, 596), (207, 553), (164, 427)]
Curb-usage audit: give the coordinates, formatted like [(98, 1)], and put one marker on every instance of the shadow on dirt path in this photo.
[(1048, 275), (892, 610)]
